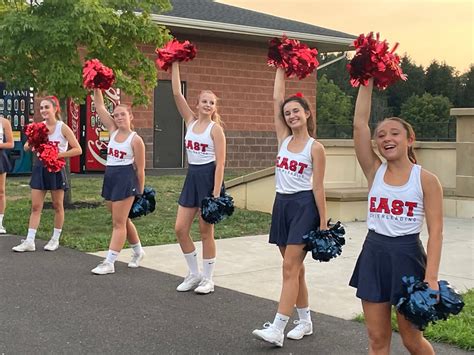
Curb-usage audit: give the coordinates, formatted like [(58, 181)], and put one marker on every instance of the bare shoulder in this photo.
[(217, 129), (429, 181), (137, 139), (317, 148)]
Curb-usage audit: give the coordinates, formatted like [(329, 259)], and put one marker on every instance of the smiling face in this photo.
[(206, 104), (122, 117), (295, 115), (393, 140), (48, 110)]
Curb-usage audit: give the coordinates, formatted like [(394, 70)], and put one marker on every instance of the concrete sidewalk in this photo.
[(252, 266)]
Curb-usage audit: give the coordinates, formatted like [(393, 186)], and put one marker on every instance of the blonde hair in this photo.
[(215, 116)]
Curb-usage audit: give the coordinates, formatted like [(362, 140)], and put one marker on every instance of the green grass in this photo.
[(89, 229), (457, 330)]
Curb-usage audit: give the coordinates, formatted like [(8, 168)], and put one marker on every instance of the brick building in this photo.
[(232, 48)]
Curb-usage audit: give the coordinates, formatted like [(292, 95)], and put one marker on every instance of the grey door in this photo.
[(168, 128)]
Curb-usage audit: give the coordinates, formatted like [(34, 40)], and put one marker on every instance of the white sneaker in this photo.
[(302, 328), (52, 245), (136, 258), (270, 334), (205, 286), (104, 268), (25, 246), (190, 283), (2, 230)]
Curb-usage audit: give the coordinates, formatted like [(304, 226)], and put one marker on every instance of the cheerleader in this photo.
[(205, 149), (124, 178), (401, 194), (6, 142), (42, 180), (300, 205)]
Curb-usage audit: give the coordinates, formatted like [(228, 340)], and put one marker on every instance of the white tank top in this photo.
[(57, 137), (294, 171), (396, 210), (199, 147), (120, 154)]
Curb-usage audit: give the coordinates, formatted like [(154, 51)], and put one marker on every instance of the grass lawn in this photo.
[(89, 228), (457, 330)]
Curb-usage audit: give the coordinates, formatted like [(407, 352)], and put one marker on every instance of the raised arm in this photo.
[(7, 131), (368, 160), (104, 115), (184, 110), (282, 130)]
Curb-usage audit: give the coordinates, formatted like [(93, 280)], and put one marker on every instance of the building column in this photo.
[(464, 151)]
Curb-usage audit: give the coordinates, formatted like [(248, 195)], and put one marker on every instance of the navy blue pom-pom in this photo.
[(325, 244), (143, 204), (450, 300), (214, 210), (418, 303)]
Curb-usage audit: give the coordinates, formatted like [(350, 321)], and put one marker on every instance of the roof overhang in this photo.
[(257, 34)]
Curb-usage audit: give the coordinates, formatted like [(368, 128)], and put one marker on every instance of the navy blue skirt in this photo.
[(383, 262), (293, 216), (42, 179), (119, 183), (5, 165), (199, 184)]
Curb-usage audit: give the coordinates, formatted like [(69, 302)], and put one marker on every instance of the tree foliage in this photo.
[(429, 115), (334, 110), (44, 44)]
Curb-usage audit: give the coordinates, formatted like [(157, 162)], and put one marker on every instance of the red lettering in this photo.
[(372, 204), (196, 146), (411, 206), (189, 144), (284, 163), (383, 206), (302, 167), (111, 151), (122, 154), (397, 207), (293, 165), (204, 146)]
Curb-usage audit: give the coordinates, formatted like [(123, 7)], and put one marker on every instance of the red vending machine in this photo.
[(90, 132)]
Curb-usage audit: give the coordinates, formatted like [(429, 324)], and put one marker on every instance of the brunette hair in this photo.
[(410, 133), (310, 122), (55, 102)]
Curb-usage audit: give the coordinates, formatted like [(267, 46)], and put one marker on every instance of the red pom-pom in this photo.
[(96, 75), (175, 51), (298, 94), (36, 134), (374, 60), (296, 58), (48, 154)]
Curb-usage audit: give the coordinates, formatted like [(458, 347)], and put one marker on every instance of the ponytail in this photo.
[(215, 116)]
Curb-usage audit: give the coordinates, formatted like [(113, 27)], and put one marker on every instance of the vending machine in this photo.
[(18, 107), (90, 132)]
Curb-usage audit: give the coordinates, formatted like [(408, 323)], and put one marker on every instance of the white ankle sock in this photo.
[(280, 321), (137, 248), (31, 235), (304, 314), (1, 219), (112, 256), (191, 260), (208, 267), (56, 233)]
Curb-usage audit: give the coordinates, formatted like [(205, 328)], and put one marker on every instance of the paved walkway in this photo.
[(51, 303)]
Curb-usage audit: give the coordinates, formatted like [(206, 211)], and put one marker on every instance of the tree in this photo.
[(466, 96), (334, 110), (440, 80), (398, 93), (429, 116), (44, 44)]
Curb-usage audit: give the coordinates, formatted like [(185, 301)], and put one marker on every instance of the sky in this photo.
[(425, 29)]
